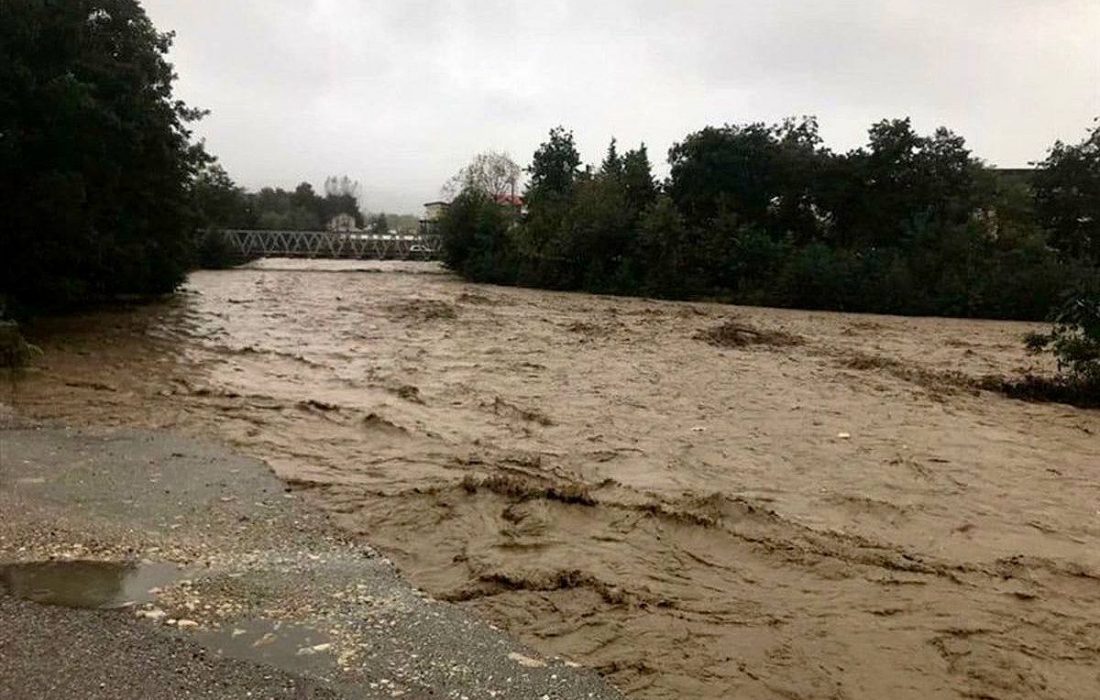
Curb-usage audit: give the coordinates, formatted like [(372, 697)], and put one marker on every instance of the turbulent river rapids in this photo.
[(696, 500)]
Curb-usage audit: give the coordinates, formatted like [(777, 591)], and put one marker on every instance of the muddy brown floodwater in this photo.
[(697, 500)]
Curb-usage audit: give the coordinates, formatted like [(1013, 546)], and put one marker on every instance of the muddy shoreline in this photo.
[(195, 573), (693, 499)]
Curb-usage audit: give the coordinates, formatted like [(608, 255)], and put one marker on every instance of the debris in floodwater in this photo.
[(288, 646), (85, 583)]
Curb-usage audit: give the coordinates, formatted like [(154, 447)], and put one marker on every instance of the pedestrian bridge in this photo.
[(332, 244)]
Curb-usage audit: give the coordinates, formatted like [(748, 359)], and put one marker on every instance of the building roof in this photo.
[(514, 199)]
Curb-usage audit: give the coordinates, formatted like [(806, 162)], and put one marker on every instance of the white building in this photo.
[(433, 211), (342, 222)]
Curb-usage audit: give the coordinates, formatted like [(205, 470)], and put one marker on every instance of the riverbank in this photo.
[(258, 595)]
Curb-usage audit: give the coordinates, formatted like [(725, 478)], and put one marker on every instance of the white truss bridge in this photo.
[(332, 244)]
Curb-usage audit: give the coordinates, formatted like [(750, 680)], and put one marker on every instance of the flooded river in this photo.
[(697, 500)]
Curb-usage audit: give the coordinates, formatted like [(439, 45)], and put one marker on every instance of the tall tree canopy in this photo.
[(1067, 196), (493, 173), (902, 179), (762, 174), (554, 167), (96, 160), (637, 177)]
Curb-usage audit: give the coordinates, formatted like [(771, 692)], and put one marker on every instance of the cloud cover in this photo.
[(399, 94)]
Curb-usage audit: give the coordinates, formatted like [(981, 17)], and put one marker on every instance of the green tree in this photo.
[(218, 204), (380, 224), (547, 243), (555, 167), (600, 231), (723, 169), (768, 176), (1075, 342), (665, 250), (796, 208), (304, 196), (612, 165), (475, 234), (589, 236), (901, 178), (96, 158), (637, 176), (218, 201), (1067, 197)]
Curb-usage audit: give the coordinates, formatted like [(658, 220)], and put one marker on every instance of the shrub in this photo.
[(476, 243), (1075, 340), (213, 252), (15, 352)]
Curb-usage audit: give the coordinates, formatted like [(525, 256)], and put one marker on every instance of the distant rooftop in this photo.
[(513, 199)]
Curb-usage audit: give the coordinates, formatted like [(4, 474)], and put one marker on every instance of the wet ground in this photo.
[(83, 583), (53, 653), (695, 500), (145, 565)]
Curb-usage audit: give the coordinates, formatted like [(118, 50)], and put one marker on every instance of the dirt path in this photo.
[(697, 500)]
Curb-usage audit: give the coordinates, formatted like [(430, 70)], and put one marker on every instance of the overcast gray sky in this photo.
[(399, 94)]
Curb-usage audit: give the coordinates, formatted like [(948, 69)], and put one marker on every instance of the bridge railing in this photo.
[(332, 244)]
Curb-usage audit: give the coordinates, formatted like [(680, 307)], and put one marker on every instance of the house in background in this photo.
[(511, 200), (433, 212), (342, 222)]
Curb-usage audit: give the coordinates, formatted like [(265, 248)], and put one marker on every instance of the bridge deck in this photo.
[(332, 244)]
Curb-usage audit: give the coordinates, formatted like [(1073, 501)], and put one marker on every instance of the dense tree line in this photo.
[(220, 203), (765, 214)]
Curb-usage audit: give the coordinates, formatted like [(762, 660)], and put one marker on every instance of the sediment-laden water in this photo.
[(698, 500)]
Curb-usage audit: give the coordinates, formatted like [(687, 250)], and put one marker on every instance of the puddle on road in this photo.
[(291, 647), (103, 585), (86, 584)]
